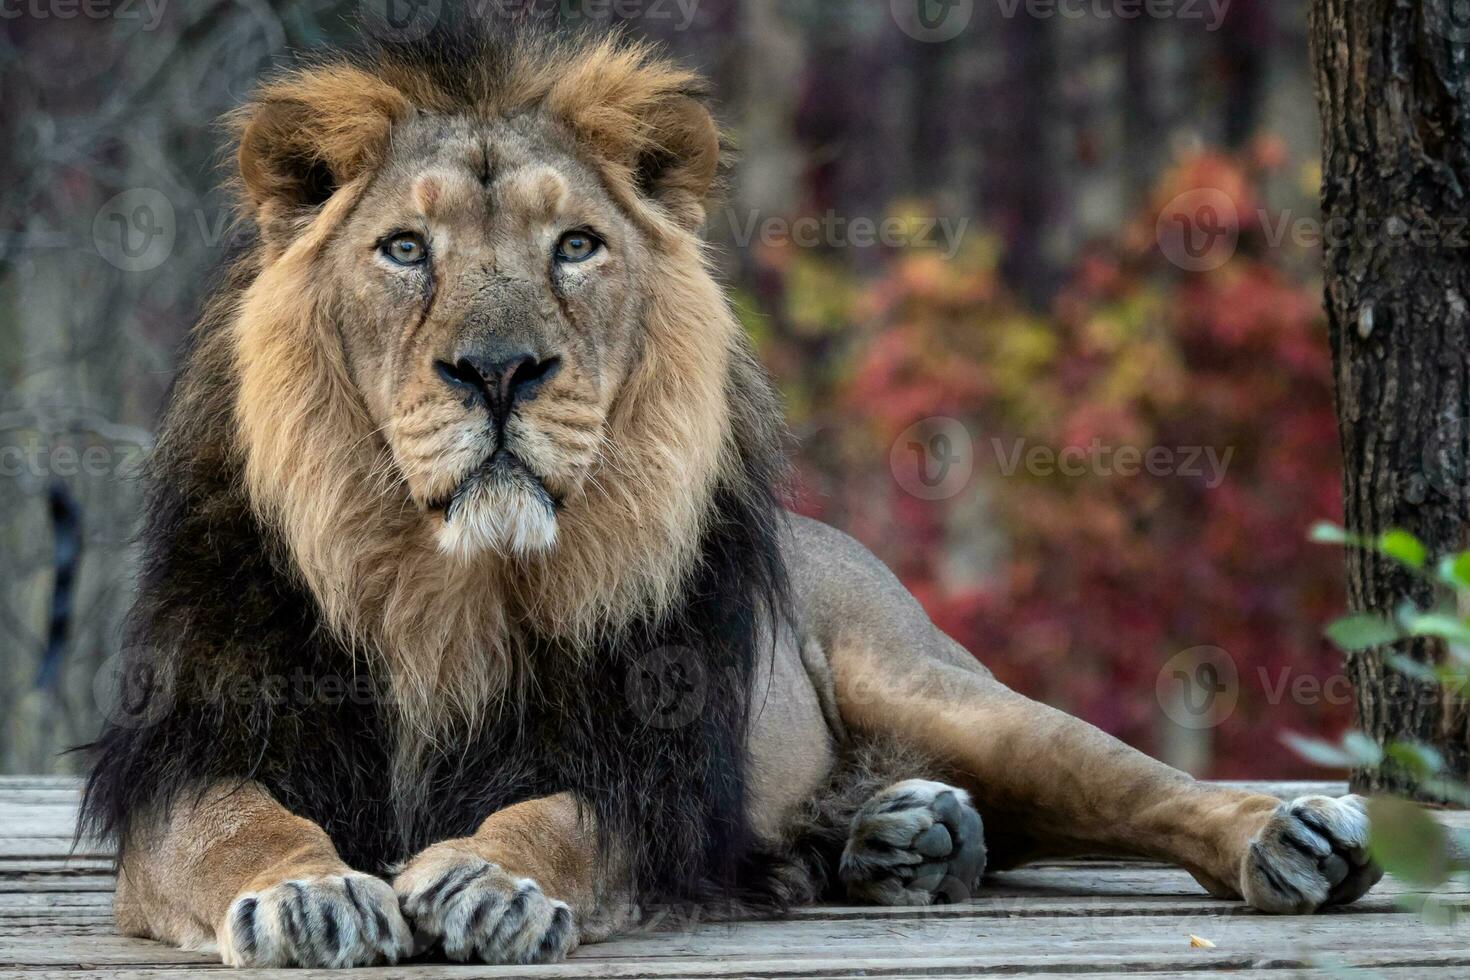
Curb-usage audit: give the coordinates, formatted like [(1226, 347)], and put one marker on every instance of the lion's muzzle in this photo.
[(501, 507), (499, 376)]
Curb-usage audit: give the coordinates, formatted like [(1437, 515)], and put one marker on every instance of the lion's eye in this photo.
[(407, 248), (577, 246)]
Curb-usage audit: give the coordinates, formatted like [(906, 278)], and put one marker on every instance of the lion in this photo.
[(469, 609)]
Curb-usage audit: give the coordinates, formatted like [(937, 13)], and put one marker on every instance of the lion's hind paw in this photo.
[(915, 843), (1312, 853)]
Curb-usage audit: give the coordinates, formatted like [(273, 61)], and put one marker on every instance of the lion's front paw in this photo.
[(912, 844), (1312, 853), (477, 910), (329, 921)]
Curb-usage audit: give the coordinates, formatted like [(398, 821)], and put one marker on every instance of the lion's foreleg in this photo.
[(527, 887), (1060, 786), (234, 871)]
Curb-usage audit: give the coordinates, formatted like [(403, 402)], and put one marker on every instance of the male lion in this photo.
[(465, 568)]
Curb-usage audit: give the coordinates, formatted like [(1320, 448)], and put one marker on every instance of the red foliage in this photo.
[(1077, 588)]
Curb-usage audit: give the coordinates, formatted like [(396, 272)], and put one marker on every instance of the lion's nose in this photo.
[(501, 381)]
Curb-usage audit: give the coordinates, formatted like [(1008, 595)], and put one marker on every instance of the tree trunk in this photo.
[(1394, 90)]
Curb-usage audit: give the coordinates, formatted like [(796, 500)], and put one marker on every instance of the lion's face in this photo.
[(487, 381), (487, 290)]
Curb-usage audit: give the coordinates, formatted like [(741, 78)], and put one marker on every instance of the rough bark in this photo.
[(1393, 82)]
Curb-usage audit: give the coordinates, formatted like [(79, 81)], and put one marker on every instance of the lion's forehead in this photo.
[(452, 168)]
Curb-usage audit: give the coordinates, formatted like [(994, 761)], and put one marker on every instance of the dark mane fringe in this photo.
[(229, 673), (474, 52), (464, 57)]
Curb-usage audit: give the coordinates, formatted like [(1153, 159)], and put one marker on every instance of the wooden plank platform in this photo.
[(1094, 919)]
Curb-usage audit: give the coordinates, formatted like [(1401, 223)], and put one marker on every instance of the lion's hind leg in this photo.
[(915, 843)]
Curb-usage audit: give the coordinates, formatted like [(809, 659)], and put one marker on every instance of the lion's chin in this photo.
[(502, 509)]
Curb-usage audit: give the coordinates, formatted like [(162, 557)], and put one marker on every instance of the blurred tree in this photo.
[(1245, 45), (1395, 101), (1024, 195)]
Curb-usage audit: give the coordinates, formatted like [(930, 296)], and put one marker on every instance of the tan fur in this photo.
[(232, 839), (1047, 784), (338, 116), (551, 841)]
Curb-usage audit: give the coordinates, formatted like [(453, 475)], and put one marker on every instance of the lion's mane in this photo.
[(238, 665)]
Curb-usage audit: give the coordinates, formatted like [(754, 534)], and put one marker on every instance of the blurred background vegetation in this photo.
[(1027, 153)]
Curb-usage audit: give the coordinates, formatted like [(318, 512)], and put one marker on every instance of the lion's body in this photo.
[(259, 687), (464, 564)]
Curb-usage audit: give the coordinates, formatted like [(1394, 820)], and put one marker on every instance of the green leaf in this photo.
[(1454, 570), (1412, 668), (1405, 611), (1332, 966), (1422, 760), (1448, 790), (1444, 625), (1433, 910), (1454, 678), (1325, 533), (1361, 631), (1318, 752), (1403, 548), (1407, 842), (1460, 849), (1362, 749)]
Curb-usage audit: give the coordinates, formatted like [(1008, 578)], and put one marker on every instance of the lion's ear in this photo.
[(640, 113), (306, 136), (678, 166)]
